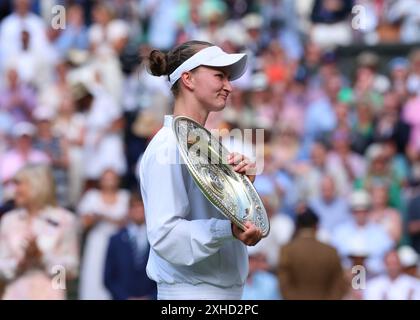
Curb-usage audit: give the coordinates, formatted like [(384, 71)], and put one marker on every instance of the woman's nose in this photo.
[(227, 85)]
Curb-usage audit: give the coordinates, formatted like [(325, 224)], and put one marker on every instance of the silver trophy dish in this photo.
[(230, 192)]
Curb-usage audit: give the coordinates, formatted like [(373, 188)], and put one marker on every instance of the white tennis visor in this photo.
[(212, 57)]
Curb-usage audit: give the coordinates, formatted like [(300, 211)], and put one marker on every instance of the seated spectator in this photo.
[(330, 25), (310, 269), (331, 209), (357, 272), (21, 19), (21, 154), (260, 284), (102, 212), (381, 171), (394, 285), (126, 258), (17, 99), (53, 94), (103, 145), (406, 13), (389, 125), (74, 36), (398, 161), (383, 214), (342, 159), (363, 128), (399, 68), (38, 239), (309, 179), (34, 66), (57, 151), (360, 228)]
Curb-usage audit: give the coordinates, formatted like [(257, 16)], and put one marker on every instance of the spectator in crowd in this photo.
[(37, 239), (75, 35), (52, 94), (260, 284), (362, 129), (31, 64), (380, 171), (126, 258), (360, 228), (390, 127), (407, 13), (301, 257), (21, 154), (332, 209), (356, 272), (103, 145), (320, 118), (342, 160), (17, 99), (383, 214), (70, 126), (394, 285), (330, 25), (12, 26), (102, 211), (56, 150), (309, 178), (399, 67)]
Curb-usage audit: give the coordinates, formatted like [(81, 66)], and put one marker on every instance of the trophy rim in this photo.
[(245, 182)]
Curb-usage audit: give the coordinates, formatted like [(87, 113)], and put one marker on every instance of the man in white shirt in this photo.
[(359, 228), (12, 26), (394, 285)]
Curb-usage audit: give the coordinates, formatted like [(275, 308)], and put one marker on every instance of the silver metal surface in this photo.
[(230, 192)]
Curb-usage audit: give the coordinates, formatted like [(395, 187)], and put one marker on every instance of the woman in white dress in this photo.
[(102, 212)]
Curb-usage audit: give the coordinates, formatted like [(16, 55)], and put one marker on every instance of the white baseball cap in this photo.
[(408, 256), (360, 200), (24, 129), (213, 56)]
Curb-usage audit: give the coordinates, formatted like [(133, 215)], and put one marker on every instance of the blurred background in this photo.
[(335, 84)]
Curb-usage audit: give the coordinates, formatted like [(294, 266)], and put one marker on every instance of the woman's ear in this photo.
[(187, 80)]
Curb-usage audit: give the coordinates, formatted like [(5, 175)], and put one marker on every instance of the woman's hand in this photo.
[(242, 165), (89, 220), (251, 236), (32, 257)]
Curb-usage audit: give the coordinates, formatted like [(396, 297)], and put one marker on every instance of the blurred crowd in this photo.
[(341, 174)]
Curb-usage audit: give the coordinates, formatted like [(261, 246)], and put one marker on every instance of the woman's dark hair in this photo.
[(161, 63)]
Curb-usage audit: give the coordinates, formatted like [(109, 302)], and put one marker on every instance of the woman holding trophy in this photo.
[(196, 252)]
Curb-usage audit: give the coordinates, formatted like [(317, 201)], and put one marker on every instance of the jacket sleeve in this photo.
[(111, 280), (287, 288), (173, 237)]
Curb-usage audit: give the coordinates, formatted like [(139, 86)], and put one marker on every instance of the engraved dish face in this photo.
[(230, 192)]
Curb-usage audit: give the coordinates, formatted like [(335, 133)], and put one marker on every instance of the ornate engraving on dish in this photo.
[(231, 193)]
